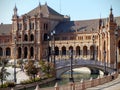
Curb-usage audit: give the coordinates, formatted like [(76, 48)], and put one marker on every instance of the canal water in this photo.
[(78, 74)]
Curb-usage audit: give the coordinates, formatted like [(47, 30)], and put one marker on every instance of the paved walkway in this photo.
[(113, 85)]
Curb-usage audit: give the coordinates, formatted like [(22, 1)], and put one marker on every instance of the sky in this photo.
[(76, 9)]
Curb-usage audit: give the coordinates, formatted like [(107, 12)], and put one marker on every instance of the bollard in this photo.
[(12, 88), (37, 87), (72, 86), (83, 85), (56, 86)]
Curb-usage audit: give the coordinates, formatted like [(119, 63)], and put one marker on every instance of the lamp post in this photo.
[(93, 38), (104, 53), (71, 67), (15, 79), (116, 35), (53, 49), (48, 53)]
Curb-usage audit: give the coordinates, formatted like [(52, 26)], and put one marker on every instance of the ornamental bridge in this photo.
[(64, 65)]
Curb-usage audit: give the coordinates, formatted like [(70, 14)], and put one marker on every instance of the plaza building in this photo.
[(31, 36)]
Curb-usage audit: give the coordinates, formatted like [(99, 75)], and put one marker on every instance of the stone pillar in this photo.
[(28, 53), (56, 86)]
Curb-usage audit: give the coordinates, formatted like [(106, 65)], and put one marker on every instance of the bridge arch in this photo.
[(93, 70), (64, 66)]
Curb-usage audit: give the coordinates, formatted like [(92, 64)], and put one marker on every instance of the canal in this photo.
[(78, 74)]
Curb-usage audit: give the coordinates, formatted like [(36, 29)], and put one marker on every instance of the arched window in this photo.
[(1, 51), (45, 37), (85, 51), (25, 52), (8, 51), (56, 51), (63, 50), (78, 50), (31, 37), (25, 37), (19, 52), (25, 26), (119, 47), (31, 52)]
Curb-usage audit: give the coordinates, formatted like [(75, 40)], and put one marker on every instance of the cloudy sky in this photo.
[(76, 9)]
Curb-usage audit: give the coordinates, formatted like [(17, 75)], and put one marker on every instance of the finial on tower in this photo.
[(15, 10), (111, 17), (111, 10), (46, 3)]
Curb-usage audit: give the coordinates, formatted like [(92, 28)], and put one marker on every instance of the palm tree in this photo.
[(3, 71)]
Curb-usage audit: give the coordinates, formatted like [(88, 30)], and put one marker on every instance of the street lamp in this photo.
[(15, 79), (104, 53), (71, 66), (116, 35), (93, 38), (53, 51), (48, 53)]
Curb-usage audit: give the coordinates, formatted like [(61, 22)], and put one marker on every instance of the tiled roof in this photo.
[(45, 10), (5, 29), (80, 26)]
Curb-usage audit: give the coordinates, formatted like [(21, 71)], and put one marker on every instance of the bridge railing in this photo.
[(63, 63)]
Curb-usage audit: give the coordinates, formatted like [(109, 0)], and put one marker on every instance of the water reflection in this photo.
[(78, 74)]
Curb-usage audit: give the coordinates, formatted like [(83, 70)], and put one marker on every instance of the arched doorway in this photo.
[(1, 51), (92, 52), (85, 51), (25, 52), (78, 50), (19, 52), (31, 52), (56, 51), (63, 50), (8, 51)]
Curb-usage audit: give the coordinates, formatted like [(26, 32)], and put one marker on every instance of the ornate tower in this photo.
[(111, 37)]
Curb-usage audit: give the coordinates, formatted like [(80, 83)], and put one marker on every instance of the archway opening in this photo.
[(31, 52), (31, 37), (63, 50), (56, 51), (85, 51), (78, 50), (1, 51), (8, 51), (25, 52), (19, 52)]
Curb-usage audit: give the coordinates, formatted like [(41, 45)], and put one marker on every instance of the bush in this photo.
[(7, 84)]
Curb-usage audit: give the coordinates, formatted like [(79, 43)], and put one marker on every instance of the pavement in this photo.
[(113, 85)]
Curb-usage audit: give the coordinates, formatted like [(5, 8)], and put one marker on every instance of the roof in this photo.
[(5, 29), (44, 9), (80, 26)]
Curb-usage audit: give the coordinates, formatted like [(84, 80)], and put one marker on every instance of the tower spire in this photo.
[(111, 17), (15, 10)]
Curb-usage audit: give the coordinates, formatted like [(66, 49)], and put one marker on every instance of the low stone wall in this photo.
[(18, 87), (72, 86), (87, 83)]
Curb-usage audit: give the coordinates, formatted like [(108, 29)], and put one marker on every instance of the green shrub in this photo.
[(7, 84)]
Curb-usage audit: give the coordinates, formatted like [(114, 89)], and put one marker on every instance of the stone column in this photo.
[(28, 53)]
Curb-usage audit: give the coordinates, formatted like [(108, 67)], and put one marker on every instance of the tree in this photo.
[(47, 68), (3, 71), (31, 69)]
